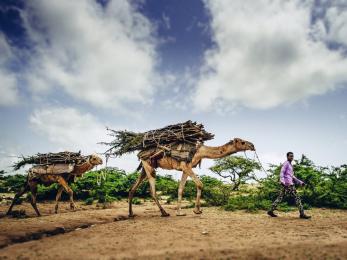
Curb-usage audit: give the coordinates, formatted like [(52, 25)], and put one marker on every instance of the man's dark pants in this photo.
[(291, 191)]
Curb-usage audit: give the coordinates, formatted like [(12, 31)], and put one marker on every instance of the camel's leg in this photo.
[(180, 193), (199, 186), (57, 198), (151, 179), (17, 196), (139, 180), (68, 190), (33, 190)]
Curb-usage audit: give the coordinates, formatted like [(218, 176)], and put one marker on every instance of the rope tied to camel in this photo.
[(255, 156), (261, 165), (103, 173)]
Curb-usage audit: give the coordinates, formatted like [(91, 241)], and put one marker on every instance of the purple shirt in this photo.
[(287, 175)]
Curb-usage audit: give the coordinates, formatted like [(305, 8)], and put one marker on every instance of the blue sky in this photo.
[(271, 72)]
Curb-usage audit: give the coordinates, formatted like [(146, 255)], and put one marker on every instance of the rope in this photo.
[(104, 173), (261, 165), (245, 155), (255, 156)]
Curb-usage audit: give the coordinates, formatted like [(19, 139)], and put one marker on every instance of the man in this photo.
[(287, 180)]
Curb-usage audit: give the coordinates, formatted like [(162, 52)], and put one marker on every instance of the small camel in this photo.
[(168, 163), (64, 179)]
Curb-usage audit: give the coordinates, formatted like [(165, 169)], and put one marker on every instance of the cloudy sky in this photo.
[(273, 72)]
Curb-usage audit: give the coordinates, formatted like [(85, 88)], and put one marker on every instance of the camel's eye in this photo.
[(243, 143)]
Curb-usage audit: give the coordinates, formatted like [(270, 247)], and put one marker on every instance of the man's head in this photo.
[(290, 156)]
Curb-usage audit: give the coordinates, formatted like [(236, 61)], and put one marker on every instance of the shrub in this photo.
[(89, 201), (326, 187), (137, 201)]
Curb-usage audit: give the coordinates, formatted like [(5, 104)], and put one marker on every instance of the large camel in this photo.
[(35, 177), (168, 163)]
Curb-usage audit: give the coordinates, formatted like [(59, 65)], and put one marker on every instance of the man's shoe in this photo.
[(272, 214), (303, 216)]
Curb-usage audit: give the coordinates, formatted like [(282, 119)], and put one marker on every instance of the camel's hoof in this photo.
[(165, 214), (197, 211), (131, 215), (180, 214)]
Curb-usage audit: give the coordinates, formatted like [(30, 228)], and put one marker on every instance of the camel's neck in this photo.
[(217, 152), (83, 167)]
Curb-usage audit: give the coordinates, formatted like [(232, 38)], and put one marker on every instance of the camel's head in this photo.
[(95, 159), (243, 145)]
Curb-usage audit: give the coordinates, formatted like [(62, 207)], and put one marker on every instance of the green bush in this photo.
[(326, 187), (89, 201), (47, 192), (137, 201), (12, 183)]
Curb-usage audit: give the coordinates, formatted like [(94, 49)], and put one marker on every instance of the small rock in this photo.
[(205, 232)]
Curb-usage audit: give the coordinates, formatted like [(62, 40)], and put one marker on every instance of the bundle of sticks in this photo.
[(50, 158), (126, 141)]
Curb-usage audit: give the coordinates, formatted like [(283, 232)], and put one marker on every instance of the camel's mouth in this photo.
[(95, 161), (252, 147), (98, 162)]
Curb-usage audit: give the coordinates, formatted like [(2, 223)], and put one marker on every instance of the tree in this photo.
[(237, 169)]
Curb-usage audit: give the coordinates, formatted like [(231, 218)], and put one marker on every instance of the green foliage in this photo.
[(238, 170), (215, 193), (250, 203), (325, 187), (114, 186), (136, 201), (89, 201), (12, 183), (47, 192), (167, 185)]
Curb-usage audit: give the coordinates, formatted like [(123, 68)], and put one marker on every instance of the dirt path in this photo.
[(216, 234)]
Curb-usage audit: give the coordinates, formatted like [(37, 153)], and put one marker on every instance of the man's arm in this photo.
[(283, 171), (298, 181)]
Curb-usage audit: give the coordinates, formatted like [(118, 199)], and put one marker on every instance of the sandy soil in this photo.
[(92, 233)]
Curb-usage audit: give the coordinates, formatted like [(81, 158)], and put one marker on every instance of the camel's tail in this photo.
[(139, 167)]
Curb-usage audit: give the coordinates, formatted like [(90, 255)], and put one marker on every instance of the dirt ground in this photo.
[(96, 233)]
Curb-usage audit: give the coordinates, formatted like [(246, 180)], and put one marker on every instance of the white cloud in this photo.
[(267, 54), (7, 158), (336, 18), (166, 20), (8, 89), (8, 81), (104, 56), (68, 128)]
